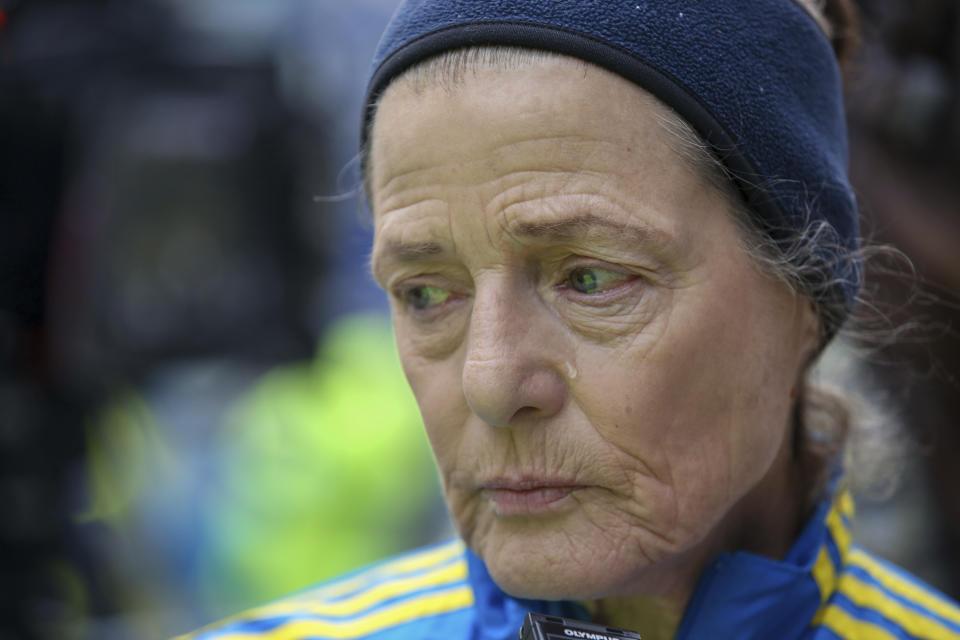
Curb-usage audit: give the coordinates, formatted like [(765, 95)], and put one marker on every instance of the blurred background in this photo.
[(200, 405)]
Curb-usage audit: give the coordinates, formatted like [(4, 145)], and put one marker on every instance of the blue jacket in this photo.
[(825, 588)]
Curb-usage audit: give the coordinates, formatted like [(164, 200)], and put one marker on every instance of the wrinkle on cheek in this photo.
[(423, 349), (655, 505), (632, 494), (629, 329), (619, 536), (465, 512), (650, 336)]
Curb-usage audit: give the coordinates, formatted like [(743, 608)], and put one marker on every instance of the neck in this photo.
[(765, 522), (655, 618)]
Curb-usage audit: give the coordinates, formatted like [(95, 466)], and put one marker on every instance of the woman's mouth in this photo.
[(527, 497)]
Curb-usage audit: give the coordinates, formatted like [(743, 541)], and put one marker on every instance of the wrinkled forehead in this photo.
[(529, 157), (505, 117)]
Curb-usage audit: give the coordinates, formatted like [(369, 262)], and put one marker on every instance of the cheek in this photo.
[(436, 386), (701, 405), (727, 391)]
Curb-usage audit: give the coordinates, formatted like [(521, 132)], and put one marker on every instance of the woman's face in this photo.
[(604, 376)]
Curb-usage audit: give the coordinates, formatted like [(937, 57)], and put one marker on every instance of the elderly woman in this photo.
[(615, 236)]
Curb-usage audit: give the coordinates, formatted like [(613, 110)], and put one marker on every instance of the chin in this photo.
[(545, 569), (558, 583)]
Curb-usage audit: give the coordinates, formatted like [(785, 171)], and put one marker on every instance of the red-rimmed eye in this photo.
[(593, 280), (425, 296)]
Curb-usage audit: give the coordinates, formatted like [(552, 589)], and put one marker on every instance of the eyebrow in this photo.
[(583, 225), (398, 252), (568, 229), (411, 252)]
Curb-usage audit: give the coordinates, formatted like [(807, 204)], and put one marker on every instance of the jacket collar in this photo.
[(753, 596)]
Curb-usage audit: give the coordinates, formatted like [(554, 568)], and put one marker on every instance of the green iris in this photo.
[(588, 280), (425, 296)]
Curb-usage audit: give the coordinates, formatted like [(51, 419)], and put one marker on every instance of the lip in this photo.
[(528, 496)]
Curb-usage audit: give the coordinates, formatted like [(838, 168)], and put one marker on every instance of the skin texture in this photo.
[(605, 377)]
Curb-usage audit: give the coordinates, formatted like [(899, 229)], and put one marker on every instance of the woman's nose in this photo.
[(510, 371)]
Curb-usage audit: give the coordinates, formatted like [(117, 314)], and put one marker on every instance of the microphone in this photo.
[(537, 626)]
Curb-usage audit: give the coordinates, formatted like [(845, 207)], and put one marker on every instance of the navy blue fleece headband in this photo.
[(757, 79)]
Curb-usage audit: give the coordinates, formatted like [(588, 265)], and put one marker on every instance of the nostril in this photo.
[(524, 413), (543, 392)]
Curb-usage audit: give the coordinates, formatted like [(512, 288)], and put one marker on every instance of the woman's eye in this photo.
[(590, 280), (424, 296)]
